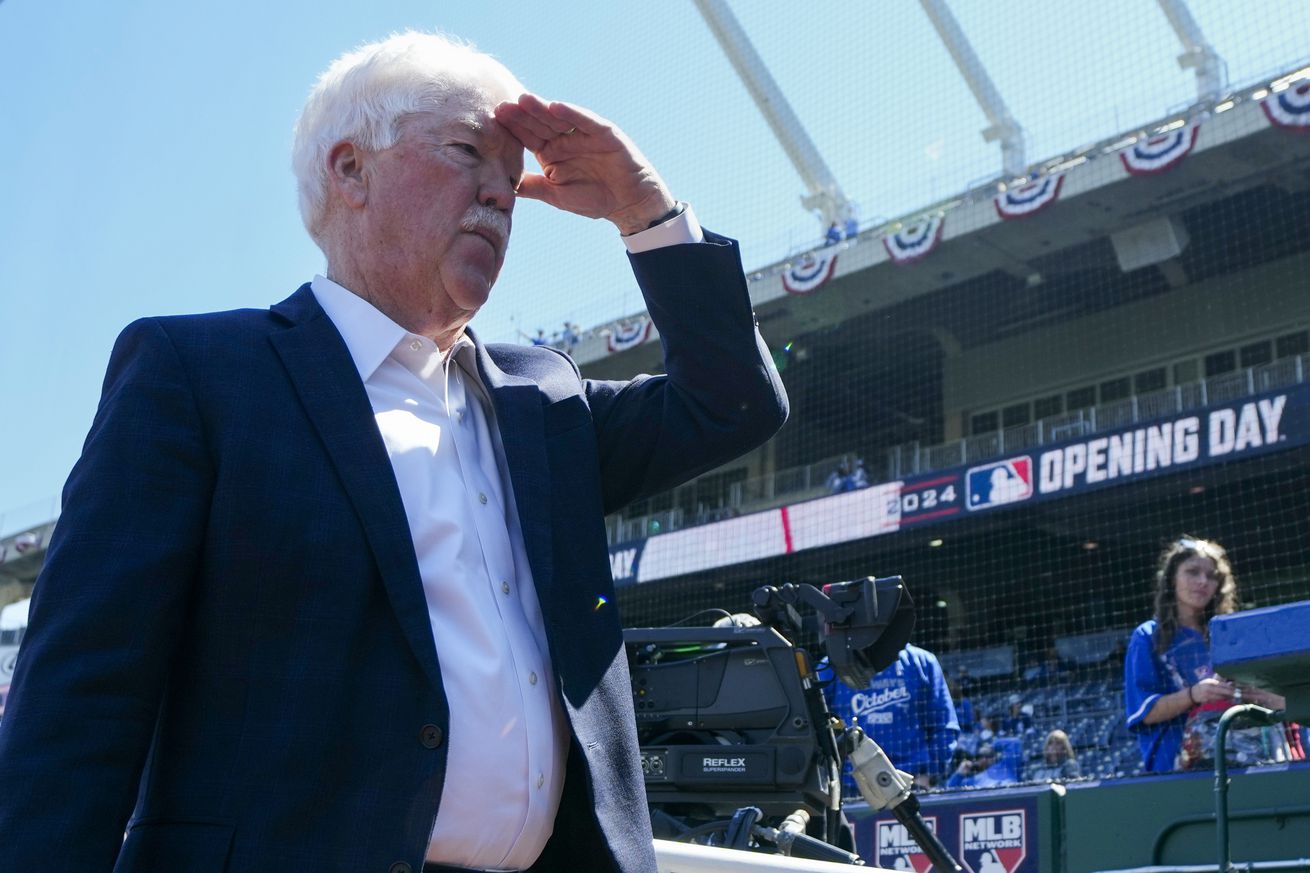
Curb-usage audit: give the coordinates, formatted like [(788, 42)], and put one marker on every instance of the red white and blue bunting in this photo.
[(1290, 108), (1159, 153), (628, 335), (1022, 202), (911, 244), (810, 274)]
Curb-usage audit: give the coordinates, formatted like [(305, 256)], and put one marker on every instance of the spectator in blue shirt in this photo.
[(859, 478), (994, 764), (963, 706), (839, 480), (907, 710), (570, 336), (1167, 670), (1020, 720)]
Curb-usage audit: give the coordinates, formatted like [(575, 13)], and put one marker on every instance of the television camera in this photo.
[(738, 747)]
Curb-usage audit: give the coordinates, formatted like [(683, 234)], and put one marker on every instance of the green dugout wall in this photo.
[(1109, 825), (1170, 819)]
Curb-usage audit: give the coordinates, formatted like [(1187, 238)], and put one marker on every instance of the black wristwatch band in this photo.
[(678, 209)]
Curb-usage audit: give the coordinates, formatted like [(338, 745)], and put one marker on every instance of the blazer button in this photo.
[(400, 867), (430, 737)]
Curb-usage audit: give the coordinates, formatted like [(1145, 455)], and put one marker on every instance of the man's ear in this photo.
[(345, 166)]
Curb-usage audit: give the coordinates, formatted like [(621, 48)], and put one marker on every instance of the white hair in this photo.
[(365, 94)]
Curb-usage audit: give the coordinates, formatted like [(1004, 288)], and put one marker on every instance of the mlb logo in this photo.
[(1007, 481), (897, 850), (994, 842)]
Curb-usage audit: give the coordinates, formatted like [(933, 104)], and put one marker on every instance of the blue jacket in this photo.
[(1004, 771), (1148, 676), (229, 655), (906, 709)]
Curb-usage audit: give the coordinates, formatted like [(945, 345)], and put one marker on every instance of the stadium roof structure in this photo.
[(905, 334), (1120, 190)]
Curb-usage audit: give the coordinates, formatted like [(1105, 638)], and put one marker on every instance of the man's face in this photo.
[(440, 201)]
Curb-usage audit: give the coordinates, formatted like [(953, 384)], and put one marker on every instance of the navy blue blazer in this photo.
[(229, 655)]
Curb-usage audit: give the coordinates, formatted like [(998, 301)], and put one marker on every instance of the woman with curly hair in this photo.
[(1167, 670)]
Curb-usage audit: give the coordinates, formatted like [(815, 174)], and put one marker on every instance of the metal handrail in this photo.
[(1253, 712)]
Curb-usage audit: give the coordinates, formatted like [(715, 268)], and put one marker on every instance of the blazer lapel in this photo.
[(325, 377), (517, 401)]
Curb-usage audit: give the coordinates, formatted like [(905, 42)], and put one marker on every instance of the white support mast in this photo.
[(825, 194), (1211, 73), (1003, 126)]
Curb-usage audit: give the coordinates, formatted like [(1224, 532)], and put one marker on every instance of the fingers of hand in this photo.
[(542, 122), (522, 126), (535, 187), (1215, 689), (567, 118)]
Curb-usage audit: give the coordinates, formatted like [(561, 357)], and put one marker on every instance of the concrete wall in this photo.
[(1192, 320)]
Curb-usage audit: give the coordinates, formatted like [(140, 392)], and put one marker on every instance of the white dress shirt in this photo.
[(508, 736)]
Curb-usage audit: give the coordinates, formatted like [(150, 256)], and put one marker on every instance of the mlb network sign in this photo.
[(986, 831), (897, 850), (1210, 436), (994, 842)]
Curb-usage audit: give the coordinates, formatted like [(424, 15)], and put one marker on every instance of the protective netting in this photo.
[(1015, 374), (1014, 389)]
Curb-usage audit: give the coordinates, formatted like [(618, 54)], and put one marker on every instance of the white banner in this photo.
[(1159, 153), (1022, 202), (809, 275), (1290, 108), (628, 336), (913, 243)]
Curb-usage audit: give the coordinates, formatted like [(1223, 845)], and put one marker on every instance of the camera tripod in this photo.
[(864, 623), (883, 788)]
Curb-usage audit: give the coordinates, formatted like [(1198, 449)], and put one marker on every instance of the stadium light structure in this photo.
[(1211, 72), (825, 194), (1003, 126)]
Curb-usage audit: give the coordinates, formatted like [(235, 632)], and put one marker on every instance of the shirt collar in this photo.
[(371, 336)]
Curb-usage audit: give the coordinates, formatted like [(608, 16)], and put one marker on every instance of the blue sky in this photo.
[(147, 142)]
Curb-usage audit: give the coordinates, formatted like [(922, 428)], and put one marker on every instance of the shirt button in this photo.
[(459, 415), (430, 736), (416, 345), (400, 867), (482, 498), (532, 678), (504, 587), (541, 779)]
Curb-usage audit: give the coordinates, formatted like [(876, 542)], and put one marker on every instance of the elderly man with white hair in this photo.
[(330, 590)]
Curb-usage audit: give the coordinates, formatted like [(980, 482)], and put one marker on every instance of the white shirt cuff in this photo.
[(681, 228)]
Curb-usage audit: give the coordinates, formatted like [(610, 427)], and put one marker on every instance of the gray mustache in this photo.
[(487, 221)]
